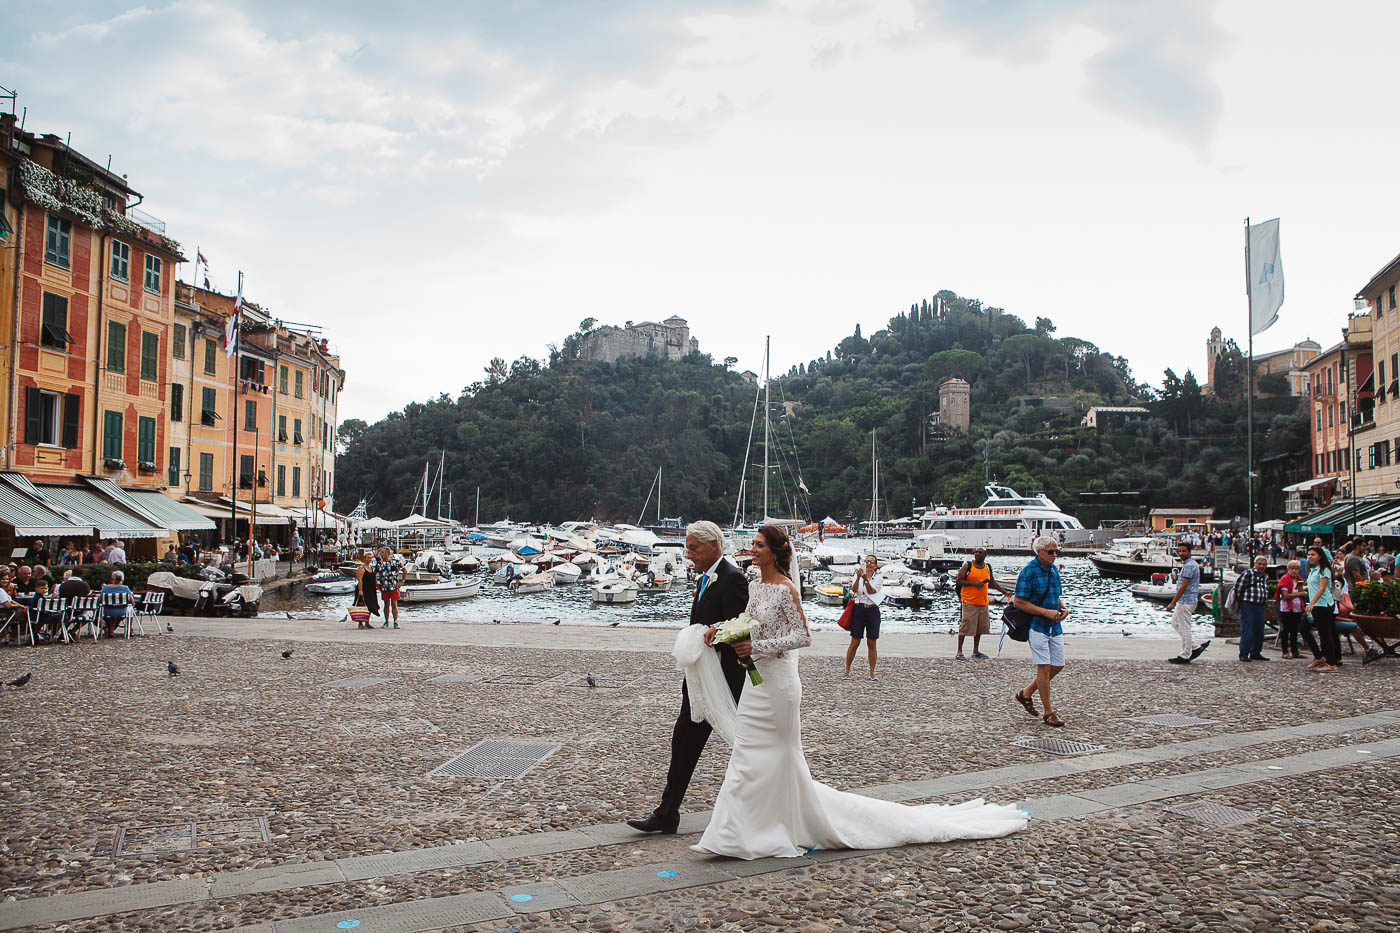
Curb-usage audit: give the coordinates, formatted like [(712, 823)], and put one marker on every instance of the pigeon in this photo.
[(591, 682), (614, 625), (169, 627), (555, 622), (287, 655), (21, 681), (1127, 634), (170, 666)]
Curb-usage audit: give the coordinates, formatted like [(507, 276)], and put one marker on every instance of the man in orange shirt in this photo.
[(973, 582)]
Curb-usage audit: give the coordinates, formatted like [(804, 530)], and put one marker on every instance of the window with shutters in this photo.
[(206, 472), (150, 356), (112, 435), (153, 273), (300, 390), (211, 356), (177, 402), (209, 407), (281, 480), (282, 429), (245, 472), (250, 415), (58, 241), (53, 331), (43, 413), (121, 261), (252, 370), (146, 440), (282, 381), (173, 474), (325, 437), (296, 481), (116, 347), (177, 341), (296, 431)]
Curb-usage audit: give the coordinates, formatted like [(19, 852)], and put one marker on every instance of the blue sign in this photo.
[(522, 898), (666, 874)]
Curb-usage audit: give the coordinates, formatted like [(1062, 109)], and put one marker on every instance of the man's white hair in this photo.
[(706, 532), (1041, 543), (118, 576)]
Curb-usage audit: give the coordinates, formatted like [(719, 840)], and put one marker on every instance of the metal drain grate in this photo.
[(1174, 719), (1057, 746), (502, 760), (1216, 814), (390, 727), (191, 836), (524, 678), (354, 682), (454, 679)]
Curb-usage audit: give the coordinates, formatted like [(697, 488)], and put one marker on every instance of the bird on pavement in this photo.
[(287, 655), (591, 682), (20, 681), (169, 627), (170, 666), (614, 625)]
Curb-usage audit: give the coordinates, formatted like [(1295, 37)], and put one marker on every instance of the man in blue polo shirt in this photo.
[(1038, 593)]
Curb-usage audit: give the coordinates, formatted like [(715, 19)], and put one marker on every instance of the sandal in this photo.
[(1051, 719), (959, 657), (1028, 703)]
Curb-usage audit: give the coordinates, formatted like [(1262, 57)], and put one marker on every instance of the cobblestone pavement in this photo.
[(103, 740)]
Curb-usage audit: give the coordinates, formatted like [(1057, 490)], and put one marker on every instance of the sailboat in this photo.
[(664, 527), (741, 534)]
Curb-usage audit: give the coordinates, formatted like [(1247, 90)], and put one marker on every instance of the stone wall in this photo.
[(669, 340)]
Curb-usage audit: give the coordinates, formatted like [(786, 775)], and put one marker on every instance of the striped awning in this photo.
[(107, 516), (24, 509), (173, 515), (1345, 516)]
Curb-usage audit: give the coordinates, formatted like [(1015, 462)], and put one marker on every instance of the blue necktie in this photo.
[(704, 582)]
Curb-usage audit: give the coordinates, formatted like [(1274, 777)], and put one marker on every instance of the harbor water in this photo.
[(1098, 605)]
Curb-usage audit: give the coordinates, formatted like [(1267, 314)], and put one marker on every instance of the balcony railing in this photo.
[(154, 224)]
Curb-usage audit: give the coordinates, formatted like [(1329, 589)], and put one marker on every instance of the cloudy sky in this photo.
[(438, 184)]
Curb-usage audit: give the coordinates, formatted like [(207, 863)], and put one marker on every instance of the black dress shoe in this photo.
[(654, 824), (1178, 660), (1196, 652)]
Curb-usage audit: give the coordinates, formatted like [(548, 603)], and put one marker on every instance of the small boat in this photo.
[(441, 591), (565, 573), (930, 551), (468, 563), (330, 583), (910, 597), (831, 594), (531, 583), (1135, 557), (615, 591), (653, 583)]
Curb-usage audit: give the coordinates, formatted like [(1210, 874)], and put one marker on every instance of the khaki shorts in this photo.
[(976, 620)]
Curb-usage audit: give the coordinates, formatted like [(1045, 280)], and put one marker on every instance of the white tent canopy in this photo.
[(376, 524), (420, 521)]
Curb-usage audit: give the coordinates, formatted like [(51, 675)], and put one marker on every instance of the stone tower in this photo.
[(955, 404), (1214, 347)]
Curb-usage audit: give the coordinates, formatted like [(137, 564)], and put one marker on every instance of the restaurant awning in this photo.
[(24, 508), (1343, 516), (268, 514), (1383, 523), (106, 515), (173, 515), (1308, 485)]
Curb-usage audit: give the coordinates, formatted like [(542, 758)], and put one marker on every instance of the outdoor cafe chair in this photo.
[(149, 607), (128, 617), (51, 612), (85, 612), (17, 618)]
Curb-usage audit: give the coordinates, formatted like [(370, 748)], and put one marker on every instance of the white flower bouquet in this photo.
[(737, 629)]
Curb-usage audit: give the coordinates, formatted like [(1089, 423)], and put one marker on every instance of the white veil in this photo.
[(710, 699)]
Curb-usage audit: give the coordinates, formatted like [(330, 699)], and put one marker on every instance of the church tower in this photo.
[(1214, 347)]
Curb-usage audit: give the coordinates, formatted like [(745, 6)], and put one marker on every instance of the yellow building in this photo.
[(1376, 439), (1172, 519)]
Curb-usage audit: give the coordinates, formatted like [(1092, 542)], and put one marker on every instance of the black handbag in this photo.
[(1016, 623)]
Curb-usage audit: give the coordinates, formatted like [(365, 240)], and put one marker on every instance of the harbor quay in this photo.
[(329, 789)]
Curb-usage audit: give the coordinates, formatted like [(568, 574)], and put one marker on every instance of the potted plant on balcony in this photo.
[(146, 466), (114, 463)]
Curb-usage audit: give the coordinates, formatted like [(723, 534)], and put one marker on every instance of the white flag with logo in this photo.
[(1265, 276)]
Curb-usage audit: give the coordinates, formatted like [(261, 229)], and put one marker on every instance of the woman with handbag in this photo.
[(1322, 604), (366, 594)]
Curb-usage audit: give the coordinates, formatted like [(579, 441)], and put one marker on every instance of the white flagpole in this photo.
[(1249, 405)]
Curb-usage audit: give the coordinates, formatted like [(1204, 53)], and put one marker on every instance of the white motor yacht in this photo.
[(1007, 520)]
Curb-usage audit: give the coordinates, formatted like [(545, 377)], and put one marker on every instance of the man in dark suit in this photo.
[(721, 594)]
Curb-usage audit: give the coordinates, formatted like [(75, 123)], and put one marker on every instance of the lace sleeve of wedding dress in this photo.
[(781, 625)]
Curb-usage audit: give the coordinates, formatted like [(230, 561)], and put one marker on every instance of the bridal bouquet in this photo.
[(736, 630)]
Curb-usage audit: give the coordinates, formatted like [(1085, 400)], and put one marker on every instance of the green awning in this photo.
[(173, 515), (25, 510), (1340, 516), (109, 518)]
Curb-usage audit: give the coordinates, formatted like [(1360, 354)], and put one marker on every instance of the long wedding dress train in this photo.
[(769, 805)]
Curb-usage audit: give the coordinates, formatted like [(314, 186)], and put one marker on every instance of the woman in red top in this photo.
[(1290, 594)]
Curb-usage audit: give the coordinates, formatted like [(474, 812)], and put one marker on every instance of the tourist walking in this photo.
[(1183, 606), (974, 581), (1038, 593), (1290, 594), (868, 591), (1253, 586), (721, 594), (389, 574), (1322, 605)]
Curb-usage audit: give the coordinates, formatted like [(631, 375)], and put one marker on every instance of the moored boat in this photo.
[(441, 591), (330, 583), (616, 591)]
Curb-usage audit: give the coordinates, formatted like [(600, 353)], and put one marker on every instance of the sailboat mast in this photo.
[(874, 494), (442, 461), (476, 523), (658, 495), (767, 372)]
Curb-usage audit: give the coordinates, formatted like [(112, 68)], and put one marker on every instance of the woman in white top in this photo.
[(868, 591)]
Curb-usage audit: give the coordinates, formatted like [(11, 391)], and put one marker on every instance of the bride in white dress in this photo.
[(769, 805)]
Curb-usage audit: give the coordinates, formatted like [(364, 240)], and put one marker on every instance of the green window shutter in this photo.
[(146, 440), (177, 342), (116, 347), (33, 419), (112, 435), (150, 356), (72, 418)]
